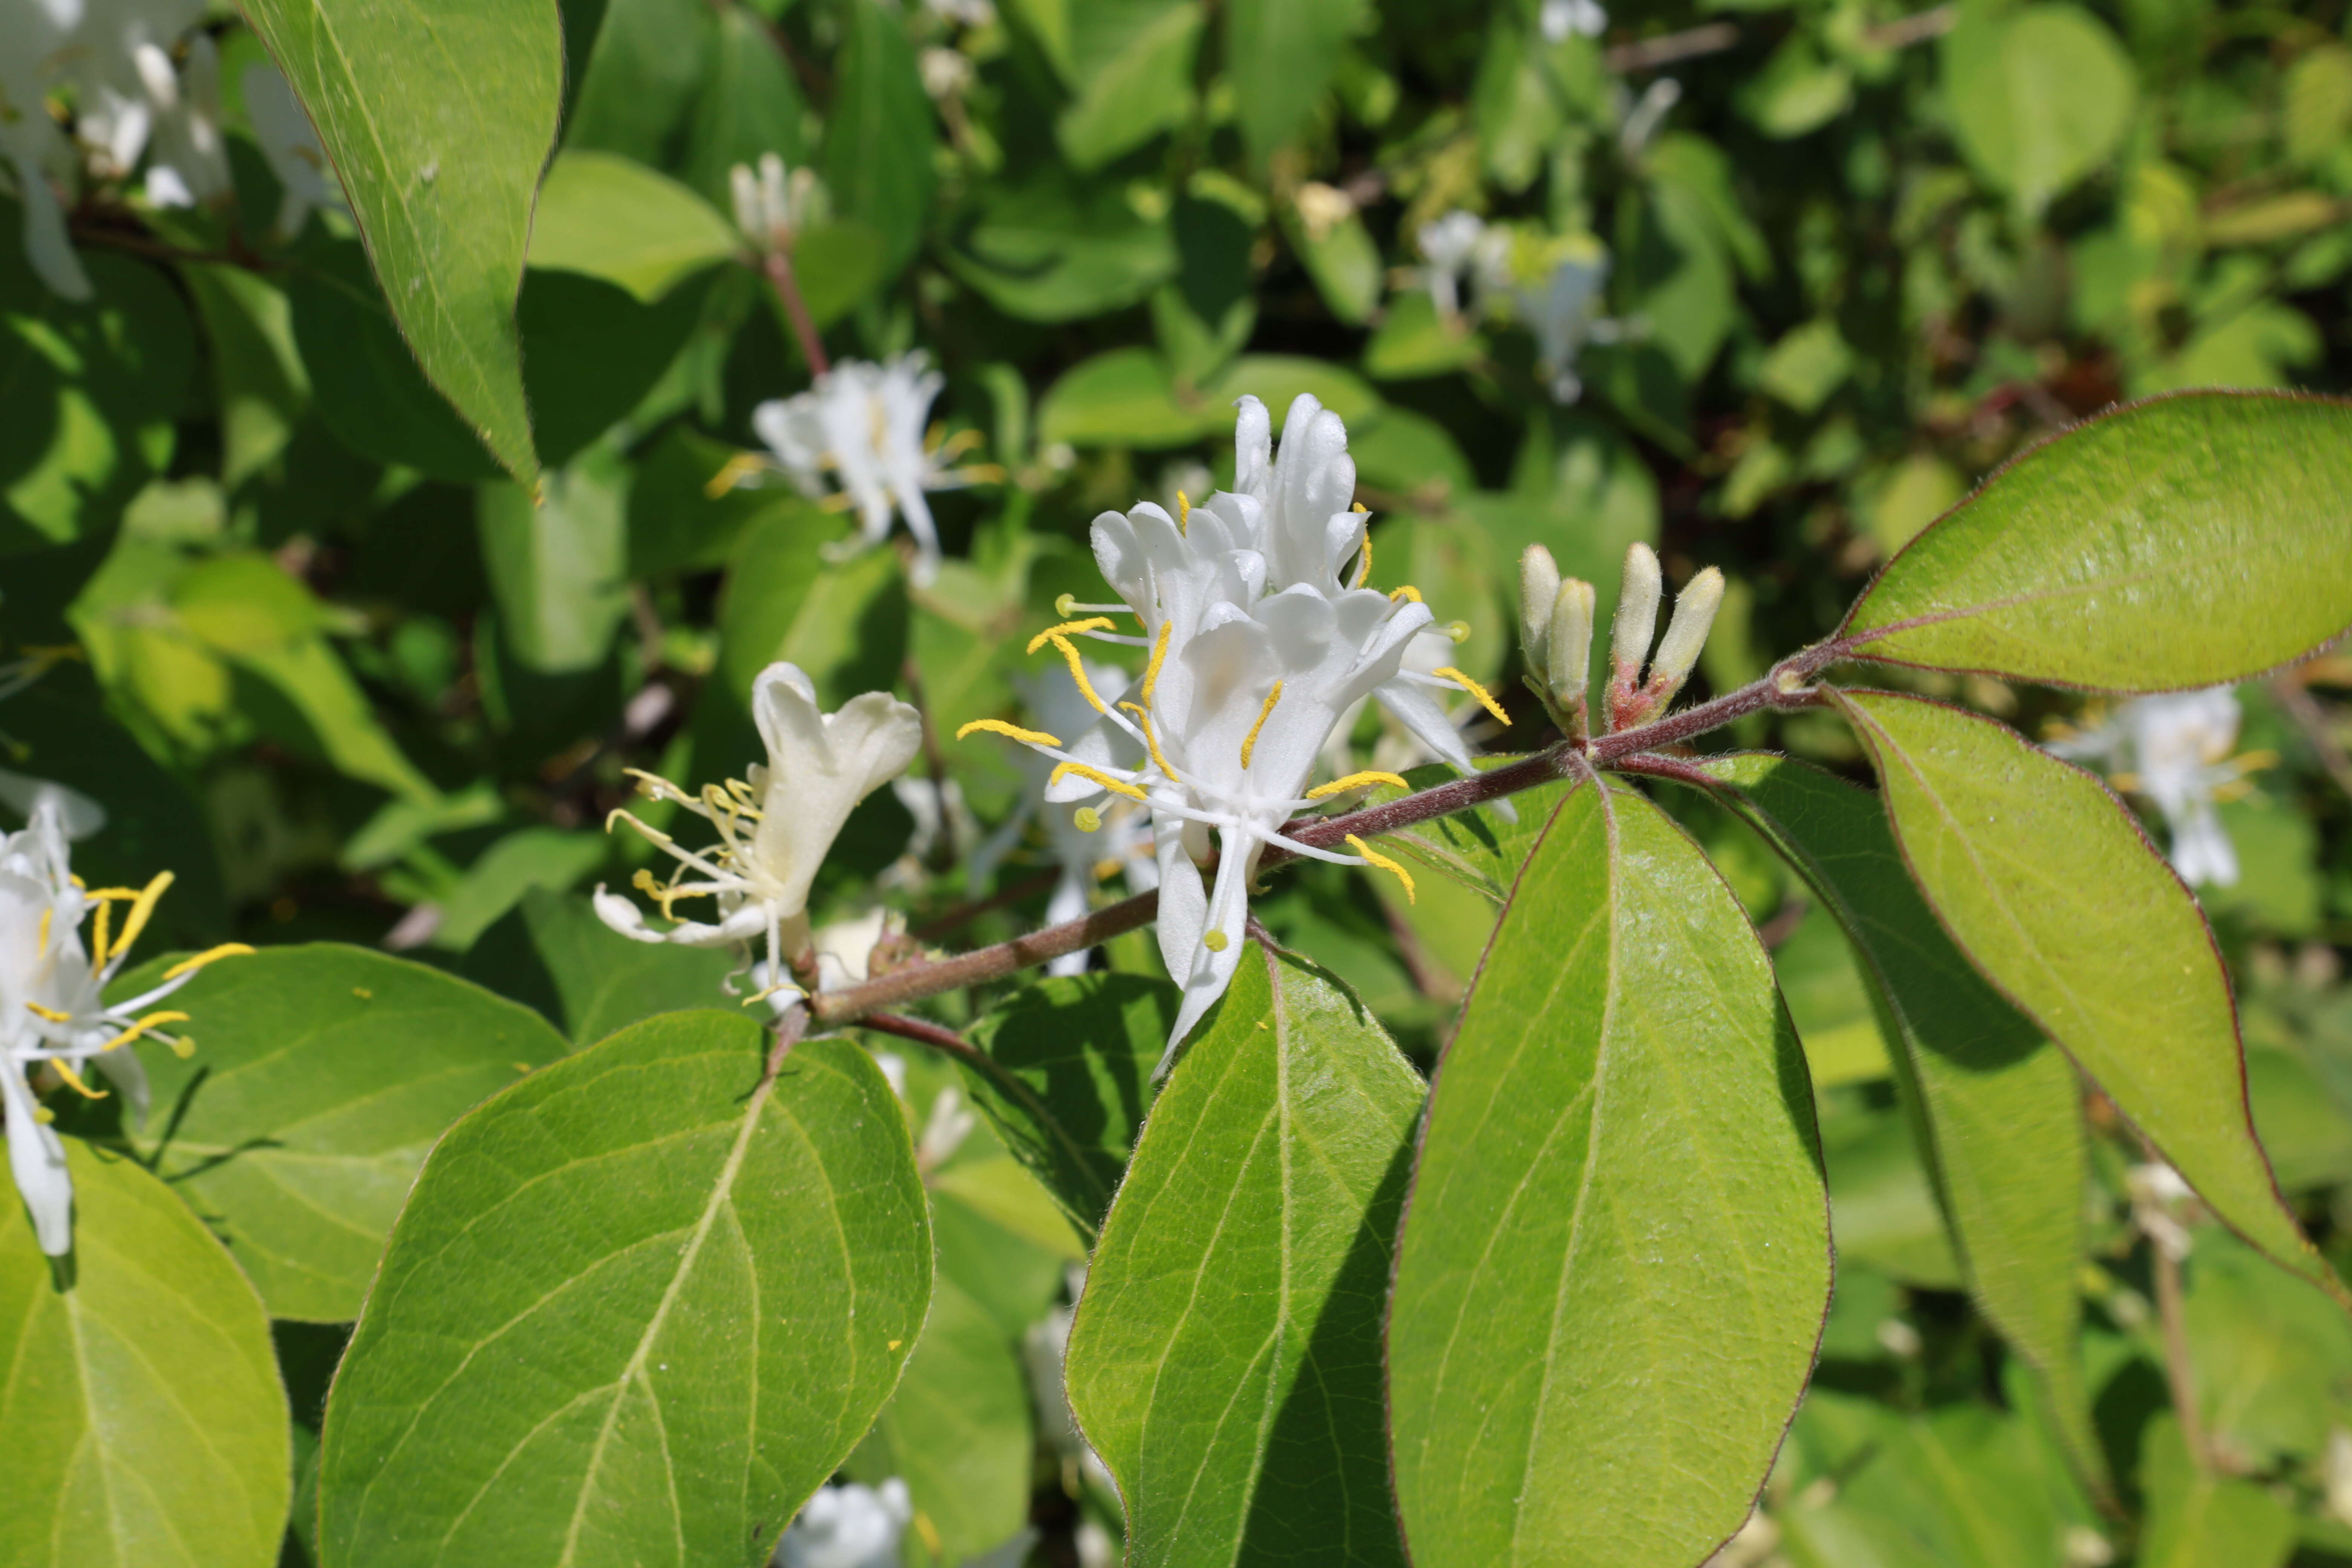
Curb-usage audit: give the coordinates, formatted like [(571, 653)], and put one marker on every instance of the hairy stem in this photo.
[(2179, 1370), (778, 265), (1782, 688)]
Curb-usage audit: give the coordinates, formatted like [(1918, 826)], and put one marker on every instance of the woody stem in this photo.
[(779, 267)]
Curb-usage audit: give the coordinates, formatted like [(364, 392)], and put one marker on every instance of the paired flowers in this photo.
[(55, 1022), (2174, 749)]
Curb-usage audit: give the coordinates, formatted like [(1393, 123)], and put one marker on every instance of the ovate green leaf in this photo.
[(321, 1075), (441, 159), (1281, 56), (878, 145), (1225, 1360), (614, 219), (1620, 1136), (637, 1309), (2197, 1518), (1998, 1109), (2040, 96), (2048, 885), (2183, 541), (146, 1423)]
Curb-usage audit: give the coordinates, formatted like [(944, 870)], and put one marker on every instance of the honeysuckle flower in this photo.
[(1119, 839), (971, 13), (291, 144), (861, 428), (1632, 699), (848, 1526), (774, 828), (188, 161), (1646, 114), (1256, 649), (2156, 1189), (1450, 246), (775, 203), (2174, 749), (1564, 313), (55, 1020), (1561, 19)]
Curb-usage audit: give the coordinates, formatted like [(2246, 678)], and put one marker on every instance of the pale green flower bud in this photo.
[(1569, 642), (1539, 588), (1695, 610), (1637, 612)]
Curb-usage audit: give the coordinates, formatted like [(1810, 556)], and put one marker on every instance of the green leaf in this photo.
[(639, 1307), (1478, 848), (2187, 541), (321, 1075), (2273, 1356), (2047, 883), (441, 176), (646, 73), (1281, 56), (2197, 1518), (612, 217), (958, 1433), (2039, 95), (146, 1421), (326, 715), (1882, 1208), (586, 977), (1997, 1111), (1413, 339), (1047, 253), (529, 858), (750, 105), (1620, 1134), (1277, 379), (1345, 263), (879, 134), (1123, 398), (1135, 66), (1068, 1076), (1226, 1358), (844, 622), (558, 567)]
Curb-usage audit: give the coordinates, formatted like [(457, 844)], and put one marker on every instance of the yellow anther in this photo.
[(1353, 780), (1183, 512), (98, 937), (1086, 819), (1158, 658), (1214, 941), (181, 1047), (151, 1021), (140, 911), (625, 814), (44, 1115), (1143, 723), (1078, 673), (1407, 591), (44, 947), (73, 1079), (1364, 562), (210, 955), (1374, 857), (1054, 633), (1459, 631), (999, 727), (1105, 869), (1474, 689), (101, 895), (733, 472), (51, 1014), (1066, 605), (1095, 775), (1359, 506), (1249, 742), (653, 786)]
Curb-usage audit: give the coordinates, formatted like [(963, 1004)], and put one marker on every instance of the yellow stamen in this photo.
[(1078, 673), (1214, 941), (73, 1079), (1183, 512), (1086, 819), (999, 727), (98, 938), (1459, 631), (210, 955), (653, 786), (124, 895), (1249, 742), (181, 1047), (1158, 658), (1117, 787), (623, 813), (1091, 623), (140, 911), (1143, 723), (1474, 689), (44, 1115), (771, 991), (1407, 591), (1339, 787), (1364, 563), (733, 472), (1105, 869), (151, 1021), (51, 1014), (2254, 760), (44, 948), (1374, 857)]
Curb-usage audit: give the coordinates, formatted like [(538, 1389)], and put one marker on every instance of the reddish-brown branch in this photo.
[(778, 265)]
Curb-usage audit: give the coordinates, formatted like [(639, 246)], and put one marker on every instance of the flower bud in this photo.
[(1538, 588), (1637, 612), (745, 186), (1695, 610), (1569, 640)]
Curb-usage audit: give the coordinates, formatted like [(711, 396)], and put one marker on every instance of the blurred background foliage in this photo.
[(1768, 286)]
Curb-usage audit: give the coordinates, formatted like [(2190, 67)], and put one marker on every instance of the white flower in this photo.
[(290, 142), (1093, 834), (54, 1018), (774, 204), (775, 828), (862, 425), (848, 1526), (1450, 247), (1558, 19), (1564, 315), (2174, 749), (971, 13), (1257, 649)]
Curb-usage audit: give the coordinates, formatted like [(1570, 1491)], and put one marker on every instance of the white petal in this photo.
[(1212, 968), (36, 1157), (1184, 911), (1425, 719)]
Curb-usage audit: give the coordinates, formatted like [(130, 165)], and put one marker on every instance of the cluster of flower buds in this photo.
[(1556, 636), (774, 204)]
